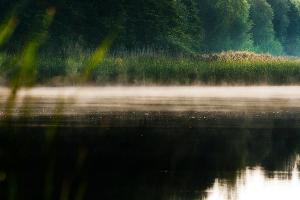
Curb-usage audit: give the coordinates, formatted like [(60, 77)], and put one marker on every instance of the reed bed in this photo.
[(150, 68)]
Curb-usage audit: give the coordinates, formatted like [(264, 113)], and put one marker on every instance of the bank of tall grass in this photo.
[(150, 68)]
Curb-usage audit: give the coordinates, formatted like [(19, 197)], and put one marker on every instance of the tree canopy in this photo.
[(194, 26)]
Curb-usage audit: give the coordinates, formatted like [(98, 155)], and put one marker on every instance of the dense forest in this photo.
[(194, 26)]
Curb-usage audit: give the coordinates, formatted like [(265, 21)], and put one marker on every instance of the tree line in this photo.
[(194, 26)]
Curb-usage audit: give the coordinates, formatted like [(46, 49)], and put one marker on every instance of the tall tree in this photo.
[(281, 20), (149, 22), (293, 30), (189, 35), (226, 24), (263, 33), (173, 25)]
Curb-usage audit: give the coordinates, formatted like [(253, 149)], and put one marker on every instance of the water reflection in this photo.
[(83, 151), (255, 184), (146, 162)]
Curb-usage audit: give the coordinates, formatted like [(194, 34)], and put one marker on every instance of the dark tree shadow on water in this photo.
[(57, 159)]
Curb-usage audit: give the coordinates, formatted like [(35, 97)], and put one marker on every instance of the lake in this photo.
[(150, 143)]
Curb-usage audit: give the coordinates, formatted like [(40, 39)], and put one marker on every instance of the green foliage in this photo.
[(148, 23), (158, 68), (263, 33), (175, 26), (227, 24), (293, 31), (190, 34), (281, 19)]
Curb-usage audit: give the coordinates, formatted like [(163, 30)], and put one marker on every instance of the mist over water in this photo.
[(199, 99), (288, 92), (150, 143)]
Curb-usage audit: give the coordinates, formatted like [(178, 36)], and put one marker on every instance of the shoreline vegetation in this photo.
[(78, 43), (152, 68)]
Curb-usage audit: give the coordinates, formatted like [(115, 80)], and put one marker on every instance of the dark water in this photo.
[(89, 152)]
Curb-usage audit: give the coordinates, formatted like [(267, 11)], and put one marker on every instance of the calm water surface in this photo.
[(150, 143)]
